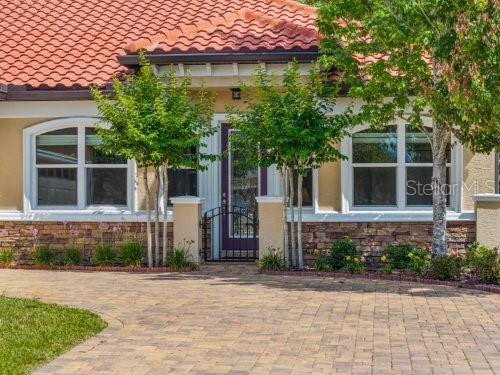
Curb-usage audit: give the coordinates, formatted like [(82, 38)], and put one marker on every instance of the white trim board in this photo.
[(393, 216), (46, 109), (486, 197), (327, 217)]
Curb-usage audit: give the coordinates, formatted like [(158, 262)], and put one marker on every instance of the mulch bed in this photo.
[(93, 268), (395, 277)]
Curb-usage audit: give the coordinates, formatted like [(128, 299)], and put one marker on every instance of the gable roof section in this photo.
[(74, 43)]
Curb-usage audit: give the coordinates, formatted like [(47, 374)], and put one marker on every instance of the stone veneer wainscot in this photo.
[(373, 237), (23, 236)]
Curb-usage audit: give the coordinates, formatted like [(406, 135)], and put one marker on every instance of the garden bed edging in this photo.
[(374, 276)]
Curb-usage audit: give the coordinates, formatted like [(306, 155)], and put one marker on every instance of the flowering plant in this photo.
[(418, 260), (354, 264)]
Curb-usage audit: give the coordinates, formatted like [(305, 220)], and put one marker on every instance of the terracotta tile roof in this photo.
[(74, 43)]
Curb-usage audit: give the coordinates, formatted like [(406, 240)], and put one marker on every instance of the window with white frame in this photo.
[(307, 188), (392, 168), (183, 181), (418, 164), (70, 172)]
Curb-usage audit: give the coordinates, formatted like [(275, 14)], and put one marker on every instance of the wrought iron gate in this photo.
[(230, 233)]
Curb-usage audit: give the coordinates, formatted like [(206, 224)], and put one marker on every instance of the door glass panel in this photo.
[(243, 188)]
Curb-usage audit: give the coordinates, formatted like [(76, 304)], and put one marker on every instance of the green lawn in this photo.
[(33, 332)]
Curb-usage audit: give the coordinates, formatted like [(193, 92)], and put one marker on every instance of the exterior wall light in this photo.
[(236, 93)]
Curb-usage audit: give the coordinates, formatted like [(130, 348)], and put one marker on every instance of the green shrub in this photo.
[(386, 270), (7, 256), (272, 260), (340, 250), (180, 259), (418, 260), (353, 264), (103, 255), (321, 262), (445, 267), (72, 256), (43, 255), (132, 254), (483, 263), (397, 256)]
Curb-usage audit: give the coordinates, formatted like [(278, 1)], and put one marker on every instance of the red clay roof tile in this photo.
[(46, 43)]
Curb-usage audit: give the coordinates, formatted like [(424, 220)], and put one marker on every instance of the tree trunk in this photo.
[(157, 217), (292, 217), (148, 222), (440, 138), (286, 254), (165, 213), (299, 221)]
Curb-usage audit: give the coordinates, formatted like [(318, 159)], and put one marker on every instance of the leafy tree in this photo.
[(131, 112), (287, 124), (154, 121), (184, 125), (434, 60)]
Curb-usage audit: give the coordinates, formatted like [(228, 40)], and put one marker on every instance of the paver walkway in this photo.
[(211, 323)]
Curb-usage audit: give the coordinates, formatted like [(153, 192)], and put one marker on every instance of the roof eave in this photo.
[(3, 92), (222, 57)]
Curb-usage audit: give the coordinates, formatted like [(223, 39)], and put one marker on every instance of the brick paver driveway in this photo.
[(210, 323)]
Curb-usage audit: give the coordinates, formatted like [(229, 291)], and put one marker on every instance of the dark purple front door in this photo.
[(239, 188)]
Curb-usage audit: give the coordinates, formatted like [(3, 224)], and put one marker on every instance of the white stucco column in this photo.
[(270, 223), (187, 217), (487, 208)]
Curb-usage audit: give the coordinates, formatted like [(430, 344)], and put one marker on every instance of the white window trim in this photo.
[(347, 184), (30, 180)]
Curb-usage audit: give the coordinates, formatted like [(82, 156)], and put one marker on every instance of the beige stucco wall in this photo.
[(329, 187), (479, 176), (187, 233), (488, 223), (270, 226), (11, 161), (141, 188), (223, 98)]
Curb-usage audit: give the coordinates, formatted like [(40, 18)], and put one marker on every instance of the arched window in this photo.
[(67, 171), (390, 168)]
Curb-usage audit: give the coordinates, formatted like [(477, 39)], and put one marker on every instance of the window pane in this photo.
[(57, 147), (107, 186), (375, 146), (307, 189), (182, 182), (419, 186), (57, 186), (93, 155), (375, 186), (418, 148)]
